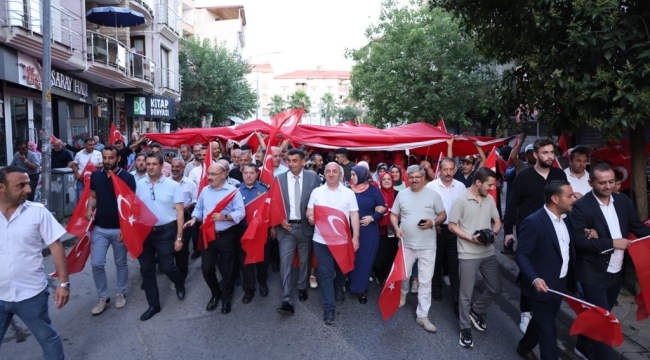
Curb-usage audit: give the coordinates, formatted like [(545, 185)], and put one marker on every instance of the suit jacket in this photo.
[(538, 254), (310, 181), (591, 264)]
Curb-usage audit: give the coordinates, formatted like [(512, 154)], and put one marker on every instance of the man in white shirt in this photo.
[(335, 195), (278, 168), (196, 161), (23, 283), (576, 174), (190, 195), (139, 165), (81, 159), (449, 190), (195, 174)]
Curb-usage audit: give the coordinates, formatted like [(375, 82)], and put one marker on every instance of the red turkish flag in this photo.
[(53, 139), (620, 159), (114, 135), (87, 171), (277, 213), (640, 253), (491, 163), (78, 225), (78, 256), (207, 162), (556, 164), (136, 220), (594, 322), (282, 124), (561, 142), (207, 228), (389, 299), (441, 125), (437, 172), (334, 227), (254, 238), (266, 174), (399, 161)]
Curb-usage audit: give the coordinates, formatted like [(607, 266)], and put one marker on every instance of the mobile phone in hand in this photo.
[(422, 222)]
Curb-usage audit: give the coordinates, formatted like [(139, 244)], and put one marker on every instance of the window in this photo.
[(164, 67)]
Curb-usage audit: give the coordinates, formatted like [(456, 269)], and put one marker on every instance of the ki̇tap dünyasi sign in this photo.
[(151, 106)]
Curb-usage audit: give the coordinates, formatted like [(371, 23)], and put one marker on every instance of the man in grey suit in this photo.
[(295, 232)]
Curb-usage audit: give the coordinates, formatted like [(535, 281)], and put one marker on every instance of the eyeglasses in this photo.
[(416, 177), (215, 174), (153, 195)]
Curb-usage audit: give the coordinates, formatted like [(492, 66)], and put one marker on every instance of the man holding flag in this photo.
[(81, 161), (222, 251), (341, 199), (102, 206)]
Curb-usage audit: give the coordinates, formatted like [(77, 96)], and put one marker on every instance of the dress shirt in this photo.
[(294, 214), (340, 198), (563, 238), (208, 200), (33, 158), (189, 190), (250, 193), (167, 194), (189, 167), (280, 170), (22, 275), (447, 193), (195, 174), (82, 158), (614, 226), (580, 185), (138, 177)]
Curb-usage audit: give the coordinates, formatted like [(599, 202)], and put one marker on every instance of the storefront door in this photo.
[(26, 118)]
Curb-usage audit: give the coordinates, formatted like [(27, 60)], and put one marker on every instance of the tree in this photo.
[(349, 113), (580, 63), (277, 105), (419, 66), (329, 108), (213, 79), (300, 99)]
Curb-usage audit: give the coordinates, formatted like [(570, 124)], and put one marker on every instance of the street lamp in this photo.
[(257, 63)]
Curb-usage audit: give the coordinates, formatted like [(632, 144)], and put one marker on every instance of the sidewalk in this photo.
[(636, 335)]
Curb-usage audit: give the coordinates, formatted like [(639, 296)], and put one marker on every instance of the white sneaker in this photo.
[(426, 324), (402, 299), (101, 306), (445, 279), (120, 301), (312, 282), (414, 286), (525, 320)]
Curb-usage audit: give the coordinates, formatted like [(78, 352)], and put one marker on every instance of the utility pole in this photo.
[(46, 103)]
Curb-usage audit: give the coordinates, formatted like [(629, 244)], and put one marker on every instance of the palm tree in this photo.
[(300, 99), (329, 108), (277, 105)]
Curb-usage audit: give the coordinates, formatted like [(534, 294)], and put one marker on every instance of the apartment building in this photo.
[(225, 23), (260, 80), (125, 75)]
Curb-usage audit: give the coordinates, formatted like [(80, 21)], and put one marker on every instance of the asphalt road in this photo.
[(185, 330)]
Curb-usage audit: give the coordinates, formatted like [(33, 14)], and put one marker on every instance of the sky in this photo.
[(307, 33)]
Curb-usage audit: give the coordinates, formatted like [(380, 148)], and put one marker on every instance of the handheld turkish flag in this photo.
[(283, 123), (556, 164), (53, 139), (399, 161), (437, 172), (491, 163), (136, 220), (561, 142), (389, 299), (266, 175), (87, 171), (79, 254), (441, 125), (254, 238), (277, 212), (594, 322), (207, 162), (207, 228), (115, 135), (78, 224), (334, 227), (640, 254)]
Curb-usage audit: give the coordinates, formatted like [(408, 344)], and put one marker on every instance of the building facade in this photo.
[(226, 24)]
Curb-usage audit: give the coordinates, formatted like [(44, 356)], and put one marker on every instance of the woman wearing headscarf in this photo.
[(387, 240), (396, 172), (382, 168), (371, 210)]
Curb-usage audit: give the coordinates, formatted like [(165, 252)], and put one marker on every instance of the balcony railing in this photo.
[(168, 17), (170, 80), (110, 52), (28, 15)]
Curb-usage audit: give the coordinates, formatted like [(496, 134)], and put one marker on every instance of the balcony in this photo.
[(145, 7), (188, 29), (169, 22), (23, 18), (170, 82), (109, 59)]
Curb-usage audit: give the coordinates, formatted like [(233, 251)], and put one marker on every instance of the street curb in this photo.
[(630, 349), (67, 241)]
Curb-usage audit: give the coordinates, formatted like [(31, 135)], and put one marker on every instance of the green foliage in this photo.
[(277, 105), (581, 62), (300, 99), (419, 66), (329, 108), (349, 113), (213, 83)]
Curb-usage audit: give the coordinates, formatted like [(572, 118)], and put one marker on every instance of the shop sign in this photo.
[(157, 107), (29, 74)]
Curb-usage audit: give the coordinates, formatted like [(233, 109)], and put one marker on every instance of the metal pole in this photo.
[(46, 103)]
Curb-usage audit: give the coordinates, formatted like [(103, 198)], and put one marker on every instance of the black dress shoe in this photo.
[(180, 292), (195, 255), (363, 299), (225, 307), (436, 294), (529, 355), (302, 295), (248, 297), (212, 304), (264, 290), (286, 309), (340, 296), (151, 311), (328, 319)]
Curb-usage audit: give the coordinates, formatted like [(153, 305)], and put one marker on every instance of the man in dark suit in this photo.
[(599, 263), (295, 232), (544, 256)]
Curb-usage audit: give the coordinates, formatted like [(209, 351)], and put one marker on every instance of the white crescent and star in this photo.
[(266, 162), (121, 199), (624, 171), (331, 220)]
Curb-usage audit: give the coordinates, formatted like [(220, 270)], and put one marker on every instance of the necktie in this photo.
[(296, 196)]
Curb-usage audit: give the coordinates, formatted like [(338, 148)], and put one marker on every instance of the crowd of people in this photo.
[(570, 226)]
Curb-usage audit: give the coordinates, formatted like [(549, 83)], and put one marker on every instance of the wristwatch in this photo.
[(65, 285), (179, 239)]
